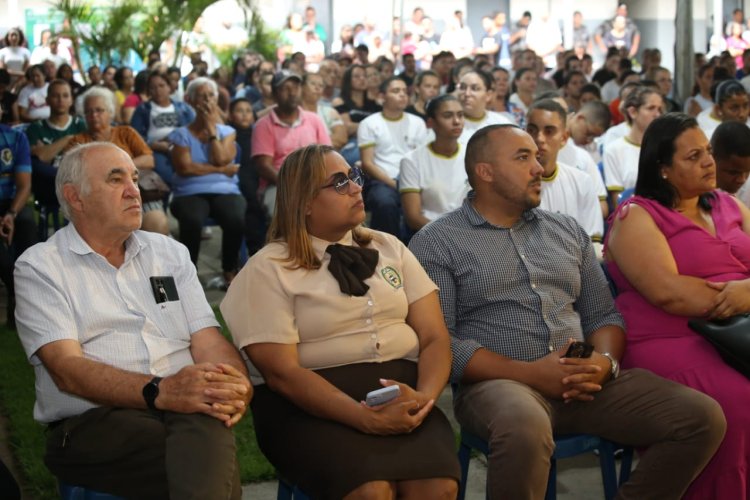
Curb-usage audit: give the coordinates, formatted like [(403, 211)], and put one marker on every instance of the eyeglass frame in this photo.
[(355, 174)]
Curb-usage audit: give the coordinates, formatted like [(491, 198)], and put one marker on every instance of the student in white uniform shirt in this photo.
[(583, 128), (433, 178), (641, 107), (565, 189), (384, 138), (731, 103), (475, 92)]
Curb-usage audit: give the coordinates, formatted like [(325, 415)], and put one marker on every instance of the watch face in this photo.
[(151, 392)]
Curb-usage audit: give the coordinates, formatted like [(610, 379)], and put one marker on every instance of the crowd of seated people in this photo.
[(292, 157)]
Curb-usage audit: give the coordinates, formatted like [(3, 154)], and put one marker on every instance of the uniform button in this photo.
[(551, 349), (377, 346), (369, 302), (373, 336), (523, 256), (368, 321), (533, 285)]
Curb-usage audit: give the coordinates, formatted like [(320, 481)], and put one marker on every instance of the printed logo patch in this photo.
[(6, 156), (392, 277)]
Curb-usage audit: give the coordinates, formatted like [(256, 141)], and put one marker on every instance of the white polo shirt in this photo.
[(577, 157), (489, 118), (571, 192), (441, 180), (392, 139), (621, 164)]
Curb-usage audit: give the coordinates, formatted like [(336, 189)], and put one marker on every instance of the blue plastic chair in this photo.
[(565, 447), (287, 491), (70, 492), (625, 195)]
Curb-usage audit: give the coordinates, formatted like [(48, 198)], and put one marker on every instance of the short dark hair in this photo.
[(477, 149), (548, 105), (592, 88), (434, 104), (731, 139), (421, 76), (657, 150), (383, 88), (725, 90), (238, 100), (597, 114), (569, 60), (486, 78), (569, 76), (157, 74), (58, 81)]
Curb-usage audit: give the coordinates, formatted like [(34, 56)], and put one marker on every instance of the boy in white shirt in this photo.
[(383, 139), (565, 189)]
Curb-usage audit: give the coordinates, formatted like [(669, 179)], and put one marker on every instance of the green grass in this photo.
[(26, 437)]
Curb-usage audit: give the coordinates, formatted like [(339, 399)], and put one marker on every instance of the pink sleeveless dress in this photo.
[(664, 344)]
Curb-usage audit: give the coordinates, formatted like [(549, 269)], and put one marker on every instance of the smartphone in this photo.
[(382, 396), (579, 350)]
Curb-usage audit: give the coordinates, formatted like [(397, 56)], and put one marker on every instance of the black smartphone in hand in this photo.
[(579, 350)]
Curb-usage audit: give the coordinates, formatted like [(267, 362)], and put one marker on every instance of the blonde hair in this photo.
[(299, 181)]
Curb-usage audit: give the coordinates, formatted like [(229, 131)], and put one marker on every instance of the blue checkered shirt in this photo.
[(521, 291)]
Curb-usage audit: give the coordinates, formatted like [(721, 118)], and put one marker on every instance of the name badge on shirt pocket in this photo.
[(164, 289)]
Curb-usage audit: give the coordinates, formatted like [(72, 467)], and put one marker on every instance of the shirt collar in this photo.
[(133, 245), (476, 219), (320, 246), (275, 119)]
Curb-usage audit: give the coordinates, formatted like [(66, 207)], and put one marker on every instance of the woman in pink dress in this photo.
[(677, 250)]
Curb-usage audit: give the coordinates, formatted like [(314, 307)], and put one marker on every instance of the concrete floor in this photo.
[(578, 478)]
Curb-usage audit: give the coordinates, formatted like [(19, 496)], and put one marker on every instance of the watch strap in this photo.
[(151, 392)]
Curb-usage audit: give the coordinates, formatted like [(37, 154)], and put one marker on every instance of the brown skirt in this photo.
[(326, 459)]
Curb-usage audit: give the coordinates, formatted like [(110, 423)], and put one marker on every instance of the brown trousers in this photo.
[(681, 428), (145, 454)]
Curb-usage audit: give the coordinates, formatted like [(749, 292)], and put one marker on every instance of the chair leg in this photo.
[(285, 490), (609, 469), (551, 493), (626, 464), (464, 457)]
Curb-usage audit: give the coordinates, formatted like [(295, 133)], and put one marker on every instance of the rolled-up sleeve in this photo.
[(595, 304)]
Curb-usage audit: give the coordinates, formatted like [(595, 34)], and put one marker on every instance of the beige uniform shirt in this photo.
[(268, 302)]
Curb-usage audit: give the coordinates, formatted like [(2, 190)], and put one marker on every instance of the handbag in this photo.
[(731, 337), (152, 186)]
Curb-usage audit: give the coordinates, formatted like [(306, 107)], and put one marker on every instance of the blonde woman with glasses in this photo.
[(326, 312)]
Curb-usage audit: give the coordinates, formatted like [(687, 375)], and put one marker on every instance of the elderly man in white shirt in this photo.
[(138, 387)]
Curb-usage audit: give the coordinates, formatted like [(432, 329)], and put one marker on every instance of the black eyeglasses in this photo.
[(341, 180)]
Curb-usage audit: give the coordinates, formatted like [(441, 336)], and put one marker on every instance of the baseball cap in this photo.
[(281, 76)]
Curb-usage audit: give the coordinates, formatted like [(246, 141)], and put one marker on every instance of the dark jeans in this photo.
[(255, 216), (145, 454), (350, 151), (43, 182), (163, 167), (24, 235), (228, 210), (384, 204)]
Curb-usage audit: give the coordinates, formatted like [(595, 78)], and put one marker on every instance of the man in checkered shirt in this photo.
[(517, 285)]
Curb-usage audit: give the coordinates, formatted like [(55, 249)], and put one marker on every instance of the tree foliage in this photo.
[(144, 25)]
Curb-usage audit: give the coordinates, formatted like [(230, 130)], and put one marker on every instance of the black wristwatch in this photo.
[(151, 392)]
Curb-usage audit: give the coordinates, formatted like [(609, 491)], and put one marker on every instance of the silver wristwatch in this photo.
[(614, 372)]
